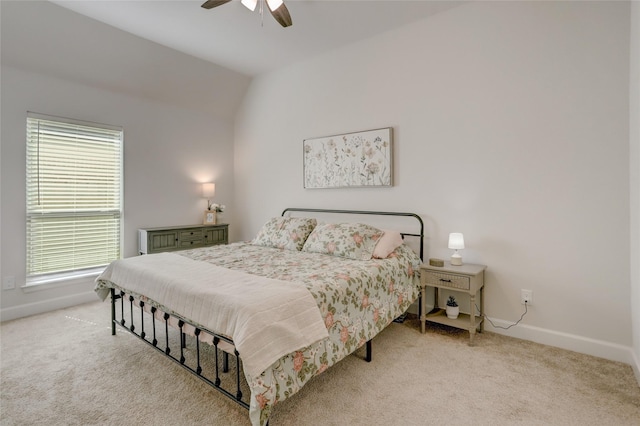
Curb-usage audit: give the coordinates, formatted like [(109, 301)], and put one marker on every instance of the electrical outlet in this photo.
[(9, 283), (526, 296)]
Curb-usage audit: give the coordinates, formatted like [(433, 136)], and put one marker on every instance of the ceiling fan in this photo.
[(277, 8)]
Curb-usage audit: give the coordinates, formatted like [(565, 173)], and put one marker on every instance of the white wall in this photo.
[(176, 112), (634, 137), (167, 152), (511, 125)]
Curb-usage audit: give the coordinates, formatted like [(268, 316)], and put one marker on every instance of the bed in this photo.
[(285, 306)]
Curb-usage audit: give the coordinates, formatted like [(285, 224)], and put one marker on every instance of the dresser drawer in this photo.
[(191, 238), (191, 235), (441, 279), (190, 244)]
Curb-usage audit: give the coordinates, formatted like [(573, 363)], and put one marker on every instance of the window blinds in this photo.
[(74, 195)]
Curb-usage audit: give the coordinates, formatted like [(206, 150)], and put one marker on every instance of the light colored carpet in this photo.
[(65, 368)]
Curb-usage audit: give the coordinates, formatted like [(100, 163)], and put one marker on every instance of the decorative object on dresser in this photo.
[(436, 262), (456, 242), (349, 160), (453, 310), (156, 240), (468, 278), (211, 214)]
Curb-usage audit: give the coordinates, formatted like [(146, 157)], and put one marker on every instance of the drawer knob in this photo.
[(446, 281)]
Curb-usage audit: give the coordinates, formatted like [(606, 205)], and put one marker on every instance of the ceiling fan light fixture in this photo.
[(274, 4), (250, 4), (277, 8)]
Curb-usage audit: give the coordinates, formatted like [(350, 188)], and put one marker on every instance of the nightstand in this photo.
[(467, 278)]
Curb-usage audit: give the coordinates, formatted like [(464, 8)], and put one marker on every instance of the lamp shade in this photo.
[(208, 190), (456, 241)]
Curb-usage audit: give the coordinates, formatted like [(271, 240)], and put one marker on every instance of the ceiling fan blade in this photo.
[(210, 4), (282, 15)]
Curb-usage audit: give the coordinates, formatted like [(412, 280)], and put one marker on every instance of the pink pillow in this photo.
[(390, 241)]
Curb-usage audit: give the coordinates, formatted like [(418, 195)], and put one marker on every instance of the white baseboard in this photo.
[(572, 342), (636, 367), (35, 308)]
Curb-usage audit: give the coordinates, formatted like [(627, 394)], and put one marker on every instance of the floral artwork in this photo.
[(352, 159)]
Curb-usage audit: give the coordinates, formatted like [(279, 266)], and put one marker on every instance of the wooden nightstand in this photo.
[(467, 278)]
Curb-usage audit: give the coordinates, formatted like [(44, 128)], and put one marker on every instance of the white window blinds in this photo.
[(74, 195)]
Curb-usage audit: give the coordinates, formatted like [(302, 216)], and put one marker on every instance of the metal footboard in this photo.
[(135, 319), (130, 314)]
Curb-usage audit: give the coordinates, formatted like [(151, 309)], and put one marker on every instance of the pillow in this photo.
[(351, 240), (390, 241), (287, 233)]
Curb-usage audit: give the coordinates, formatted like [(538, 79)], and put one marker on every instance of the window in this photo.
[(74, 197)]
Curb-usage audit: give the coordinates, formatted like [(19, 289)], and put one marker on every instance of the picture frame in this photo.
[(358, 159), (210, 217)]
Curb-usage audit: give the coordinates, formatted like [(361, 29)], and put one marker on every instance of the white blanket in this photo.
[(266, 318)]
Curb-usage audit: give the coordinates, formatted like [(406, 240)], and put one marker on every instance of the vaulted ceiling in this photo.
[(179, 52), (248, 42)]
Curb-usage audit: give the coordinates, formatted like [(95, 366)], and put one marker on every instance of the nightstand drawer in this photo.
[(440, 279)]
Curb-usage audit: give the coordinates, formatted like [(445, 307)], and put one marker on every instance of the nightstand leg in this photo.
[(482, 309), (472, 318), (423, 313)]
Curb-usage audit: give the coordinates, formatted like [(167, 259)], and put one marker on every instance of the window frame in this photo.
[(47, 279)]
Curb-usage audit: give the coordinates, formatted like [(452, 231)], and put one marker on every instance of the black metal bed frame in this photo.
[(196, 369), (365, 212), (236, 394)]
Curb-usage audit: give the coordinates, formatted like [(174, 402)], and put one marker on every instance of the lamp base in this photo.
[(456, 259)]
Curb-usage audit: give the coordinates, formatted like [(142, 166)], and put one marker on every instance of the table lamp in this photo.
[(208, 191), (456, 242)]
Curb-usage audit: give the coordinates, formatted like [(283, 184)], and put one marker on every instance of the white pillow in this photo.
[(390, 241)]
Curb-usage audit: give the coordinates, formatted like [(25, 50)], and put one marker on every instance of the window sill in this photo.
[(61, 280)]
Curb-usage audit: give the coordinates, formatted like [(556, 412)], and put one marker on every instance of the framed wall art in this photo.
[(356, 159), (210, 217)]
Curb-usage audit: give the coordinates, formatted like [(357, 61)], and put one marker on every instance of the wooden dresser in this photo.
[(171, 238)]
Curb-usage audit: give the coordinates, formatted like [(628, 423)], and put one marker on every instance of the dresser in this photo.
[(171, 238)]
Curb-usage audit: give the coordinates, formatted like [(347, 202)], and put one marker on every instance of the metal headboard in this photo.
[(363, 212)]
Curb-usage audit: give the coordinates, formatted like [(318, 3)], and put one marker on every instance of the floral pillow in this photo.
[(351, 240), (287, 233)]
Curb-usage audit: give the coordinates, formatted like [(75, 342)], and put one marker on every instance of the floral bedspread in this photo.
[(357, 300)]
